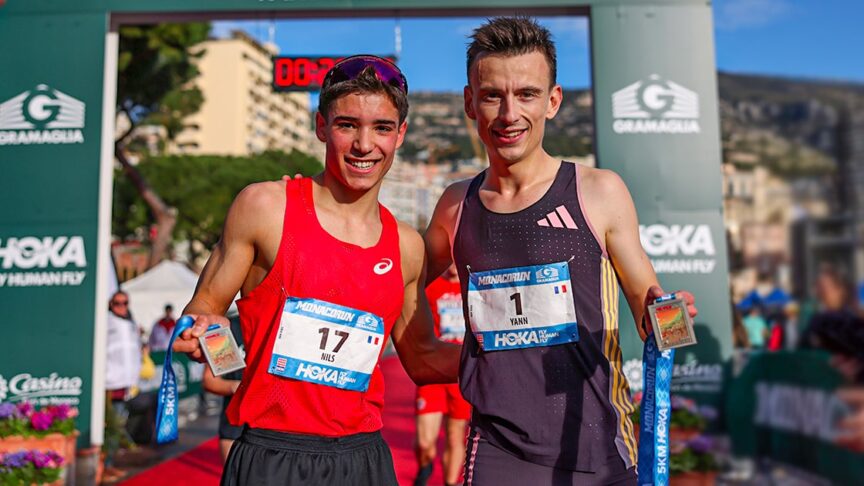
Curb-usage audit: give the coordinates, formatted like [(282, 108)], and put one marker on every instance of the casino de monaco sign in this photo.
[(655, 106), (40, 116)]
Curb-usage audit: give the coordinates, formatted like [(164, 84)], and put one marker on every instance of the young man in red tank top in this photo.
[(326, 274)]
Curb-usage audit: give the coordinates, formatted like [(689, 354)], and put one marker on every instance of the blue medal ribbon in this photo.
[(655, 415), (166, 411)]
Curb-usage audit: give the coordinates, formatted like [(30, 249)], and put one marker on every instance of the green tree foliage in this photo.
[(156, 64), (156, 69), (201, 188)]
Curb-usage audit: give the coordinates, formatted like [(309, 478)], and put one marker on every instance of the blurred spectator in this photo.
[(160, 335), (852, 426), (836, 327), (791, 333), (739, 332), (757, 328), (122, 368)]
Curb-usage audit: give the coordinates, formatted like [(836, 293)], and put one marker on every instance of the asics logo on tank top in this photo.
[(560, 218), (383, 266)]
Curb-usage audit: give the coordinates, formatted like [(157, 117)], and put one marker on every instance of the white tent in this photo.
[(166, 283)]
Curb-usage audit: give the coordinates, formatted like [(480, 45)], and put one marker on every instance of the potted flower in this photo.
[(51, 428), (692, 463), (30, 467)]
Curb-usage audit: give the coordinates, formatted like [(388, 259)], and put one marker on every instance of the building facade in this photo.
[(241, 114)]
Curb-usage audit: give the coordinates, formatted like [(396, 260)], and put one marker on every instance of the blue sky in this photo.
[(801, 38)]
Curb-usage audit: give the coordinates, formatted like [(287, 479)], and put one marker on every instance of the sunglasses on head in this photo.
[(351, 67), (119, 302)]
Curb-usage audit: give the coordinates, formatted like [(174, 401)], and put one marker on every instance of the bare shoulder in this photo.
[(602, 183), (455, 193), (257, 212), (261, 195), (448, 204), (606, 201)]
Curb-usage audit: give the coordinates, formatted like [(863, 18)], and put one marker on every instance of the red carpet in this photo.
[(202, 466)]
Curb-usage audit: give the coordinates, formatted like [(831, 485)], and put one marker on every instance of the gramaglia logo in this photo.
[(42, 115), (43, 252), (655, 106), (383, 266), (367, 322), (547, 274), (687, 242), (49, 389)]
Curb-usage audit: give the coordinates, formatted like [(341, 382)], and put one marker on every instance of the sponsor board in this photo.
[(62, 257), (689, 377), (53, 389), (40, 116), (655, 106), (679, 248), (812, 412)]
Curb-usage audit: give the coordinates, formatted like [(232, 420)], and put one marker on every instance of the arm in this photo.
[(217, 385), (440, 231), (611, 209), (426, 358), (228, 265)]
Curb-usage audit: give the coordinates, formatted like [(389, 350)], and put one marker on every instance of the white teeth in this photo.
[(362, 165)]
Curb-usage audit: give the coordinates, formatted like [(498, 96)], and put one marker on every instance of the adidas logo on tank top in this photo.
[(560, 218)]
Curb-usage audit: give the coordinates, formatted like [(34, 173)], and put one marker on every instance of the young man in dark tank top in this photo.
[(541, 246)]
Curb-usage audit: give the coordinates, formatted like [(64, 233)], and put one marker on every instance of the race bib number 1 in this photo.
[(522, 307), (325, 343)]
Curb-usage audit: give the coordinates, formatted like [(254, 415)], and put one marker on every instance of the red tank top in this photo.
[(311, 263)]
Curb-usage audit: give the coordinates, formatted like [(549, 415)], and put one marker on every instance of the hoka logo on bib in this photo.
[(41, 116), (529, 338), (515, 339), (317, 373)]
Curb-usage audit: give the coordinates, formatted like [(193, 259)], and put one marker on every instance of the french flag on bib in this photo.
[(560, 289), (372, 340)]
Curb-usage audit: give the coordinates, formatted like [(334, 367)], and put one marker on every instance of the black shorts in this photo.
[(487, 465), (266, 457)]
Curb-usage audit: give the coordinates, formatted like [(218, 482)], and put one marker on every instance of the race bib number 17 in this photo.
[(328, 344), (522, 307)]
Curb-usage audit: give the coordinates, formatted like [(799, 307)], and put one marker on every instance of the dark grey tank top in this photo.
[(568, 405)]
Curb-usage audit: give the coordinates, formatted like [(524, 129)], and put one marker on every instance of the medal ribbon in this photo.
[(656, 413), (166, 411)]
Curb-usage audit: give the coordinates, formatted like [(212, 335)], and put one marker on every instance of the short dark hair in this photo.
[(366, 82), (513, 36)]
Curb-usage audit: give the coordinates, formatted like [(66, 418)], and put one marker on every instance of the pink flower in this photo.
[(60, 412), (41, 420), (25, 409)]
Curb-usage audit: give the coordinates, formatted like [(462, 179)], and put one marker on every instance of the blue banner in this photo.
[(528, 338)]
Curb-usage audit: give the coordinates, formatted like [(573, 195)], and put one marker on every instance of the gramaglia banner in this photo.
[(657, 126)]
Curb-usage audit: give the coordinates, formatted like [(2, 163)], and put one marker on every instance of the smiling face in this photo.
[(362, 132), (510, 98)]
